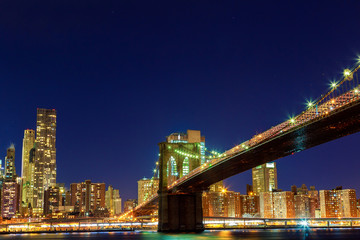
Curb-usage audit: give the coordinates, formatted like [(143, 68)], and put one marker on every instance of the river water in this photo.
[(285, 234)]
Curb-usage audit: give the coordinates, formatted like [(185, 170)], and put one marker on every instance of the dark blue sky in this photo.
[(125, 74)]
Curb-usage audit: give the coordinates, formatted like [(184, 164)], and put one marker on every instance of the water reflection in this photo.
[(245, 234)]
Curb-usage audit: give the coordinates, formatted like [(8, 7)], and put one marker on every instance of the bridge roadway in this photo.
[(338, 123)]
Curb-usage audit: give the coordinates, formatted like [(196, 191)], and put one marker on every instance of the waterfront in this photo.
[(250, 234)]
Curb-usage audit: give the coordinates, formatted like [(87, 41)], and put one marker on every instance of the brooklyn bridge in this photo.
[(184, 173)]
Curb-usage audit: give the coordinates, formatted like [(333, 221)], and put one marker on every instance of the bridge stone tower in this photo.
[(179, 211)]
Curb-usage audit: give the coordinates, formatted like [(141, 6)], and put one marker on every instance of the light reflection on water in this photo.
[(247, 234)]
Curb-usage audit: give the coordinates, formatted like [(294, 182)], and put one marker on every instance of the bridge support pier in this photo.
[(180, 212)]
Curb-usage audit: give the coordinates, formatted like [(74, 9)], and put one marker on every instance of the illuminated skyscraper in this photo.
[(147, 188), (264, 178), (10, 191), (10, 172), (45, 155), (26, 169)]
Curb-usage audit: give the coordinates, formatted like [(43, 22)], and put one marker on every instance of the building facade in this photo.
[(250, 205), (27, 168), (10, 199), (113, 201), (51, 200), (86, 197), (147, 188), (264, 178), (10, 171), (45, 155), (277, 204), (222, 204), (338, 203)]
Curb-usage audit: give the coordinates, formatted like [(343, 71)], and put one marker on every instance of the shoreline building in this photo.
[(338, 203), (221, 204), (306, 201), (87, 197), (45, 156), (277, 204)]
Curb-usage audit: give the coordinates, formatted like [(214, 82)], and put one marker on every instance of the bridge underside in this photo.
[(150, 209), (339, 124)]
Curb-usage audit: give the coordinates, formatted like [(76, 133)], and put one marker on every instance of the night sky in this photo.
[(122, 75)]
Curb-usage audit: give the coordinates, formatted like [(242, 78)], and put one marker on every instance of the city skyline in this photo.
[(131, 93)]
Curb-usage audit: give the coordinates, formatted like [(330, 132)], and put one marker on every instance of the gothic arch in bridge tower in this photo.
[(185, 167)]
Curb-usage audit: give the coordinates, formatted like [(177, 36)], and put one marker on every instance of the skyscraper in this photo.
[(10, 191), (26, 170), (45, 155), (10, 172), (264, 178)]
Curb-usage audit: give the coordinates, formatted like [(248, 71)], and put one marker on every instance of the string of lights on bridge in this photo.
[(340, 93)]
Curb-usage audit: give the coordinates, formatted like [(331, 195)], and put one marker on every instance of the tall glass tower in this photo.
[(45, 155), (26, 173), (264, 178)]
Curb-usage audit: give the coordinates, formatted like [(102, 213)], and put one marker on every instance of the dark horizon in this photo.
[(123, 76)]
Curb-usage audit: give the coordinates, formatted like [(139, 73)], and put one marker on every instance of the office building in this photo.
[(27, 168), (113, 201), (264, 178), (147, 188), (45, 155), (86, 197)]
